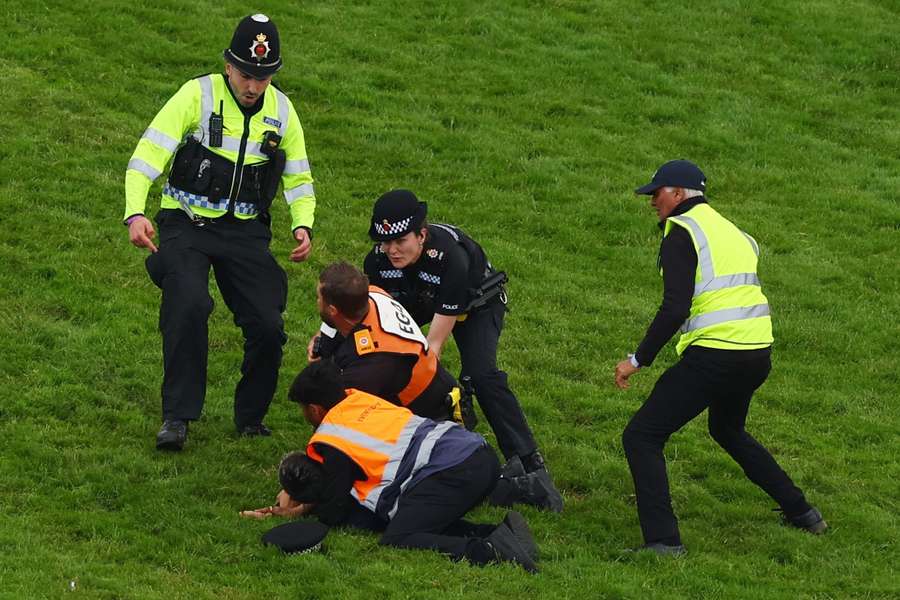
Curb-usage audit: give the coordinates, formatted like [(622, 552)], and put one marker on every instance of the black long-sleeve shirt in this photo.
[(678, 261), (338, 507)]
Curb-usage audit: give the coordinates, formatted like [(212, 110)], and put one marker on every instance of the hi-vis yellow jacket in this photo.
[(728, 310), (186, 114)]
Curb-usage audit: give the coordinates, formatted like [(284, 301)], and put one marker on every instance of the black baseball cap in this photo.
[(255, 47), (395, 214), (675, 173)]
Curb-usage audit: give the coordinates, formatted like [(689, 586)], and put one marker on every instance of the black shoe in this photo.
[(661, 549), (517, 524), (506, 492), (545, 492), (507, 547), (254, 430), (172, 435), (810, 521), (534, 489)]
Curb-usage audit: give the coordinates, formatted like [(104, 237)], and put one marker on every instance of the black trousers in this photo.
[(477, 338), (724, 382), (429, 516), (253, 286)]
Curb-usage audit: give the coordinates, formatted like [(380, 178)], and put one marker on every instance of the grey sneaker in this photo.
[(507, 547), (661, 549), (172, 435), (810, 521), (254, 430)]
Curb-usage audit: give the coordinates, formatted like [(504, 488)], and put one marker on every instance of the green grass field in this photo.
[(528, 124)]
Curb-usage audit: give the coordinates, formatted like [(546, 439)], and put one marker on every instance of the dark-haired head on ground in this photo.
[(302, 478)]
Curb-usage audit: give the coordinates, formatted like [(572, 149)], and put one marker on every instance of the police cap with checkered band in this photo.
[(255, 47), (395, 214)]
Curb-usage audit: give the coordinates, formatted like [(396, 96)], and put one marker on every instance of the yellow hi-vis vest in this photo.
[(187, 113), (728, 309)]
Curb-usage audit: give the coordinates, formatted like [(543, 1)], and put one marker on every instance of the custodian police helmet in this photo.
[(255, 48)]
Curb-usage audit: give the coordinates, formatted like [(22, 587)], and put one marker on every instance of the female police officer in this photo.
[(442, 276)]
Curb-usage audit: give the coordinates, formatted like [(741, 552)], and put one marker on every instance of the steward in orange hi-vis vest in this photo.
[(387, 355), (391, 329), (374, 465), (391, 445)]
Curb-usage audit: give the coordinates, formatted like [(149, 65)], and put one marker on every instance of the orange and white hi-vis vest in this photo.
[(388, 442), (390, 328)]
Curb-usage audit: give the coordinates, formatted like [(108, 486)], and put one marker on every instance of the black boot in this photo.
[(507, 547), (519, 485)]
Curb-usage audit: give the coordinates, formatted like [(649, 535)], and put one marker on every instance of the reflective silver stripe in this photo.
[(283, 111), (357, 437), (395, 459), (422, 458), (233, 144), (752, 243), (704, 256), (448, 229), (144, 168), (160, 139), (723, 316), (300, 191), (725, 281), (253, 148), (394, 452), (292, 167), (206, 106)]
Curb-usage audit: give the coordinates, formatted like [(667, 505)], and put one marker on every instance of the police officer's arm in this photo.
[(438, 332), (451, 299), (678, 261), (154, 150), (297, 182)]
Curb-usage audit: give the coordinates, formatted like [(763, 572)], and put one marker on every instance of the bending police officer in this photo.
[(712, 293), (443, 277), (234, 139)]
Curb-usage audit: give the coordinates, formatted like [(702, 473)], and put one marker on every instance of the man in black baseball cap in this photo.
[(672, 184), (712, 297)]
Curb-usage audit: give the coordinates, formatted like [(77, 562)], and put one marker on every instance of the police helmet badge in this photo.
[(259, 49)]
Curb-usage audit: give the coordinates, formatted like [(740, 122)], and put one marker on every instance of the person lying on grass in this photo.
[(378, 466)]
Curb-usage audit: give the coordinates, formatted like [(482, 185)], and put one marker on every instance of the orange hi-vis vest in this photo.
[(390, 328), (388, 442)]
